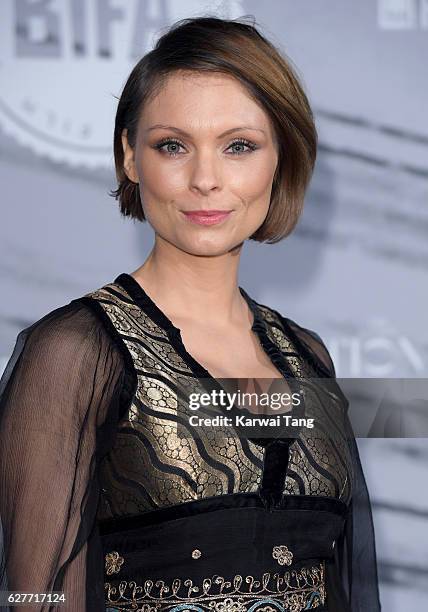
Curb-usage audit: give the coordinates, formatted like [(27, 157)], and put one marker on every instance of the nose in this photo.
[(205, 174)]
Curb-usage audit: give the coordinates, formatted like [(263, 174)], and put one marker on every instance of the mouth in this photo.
[(206, 217)]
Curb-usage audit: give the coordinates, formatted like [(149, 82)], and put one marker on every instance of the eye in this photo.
[(242, 142), (166, 142)]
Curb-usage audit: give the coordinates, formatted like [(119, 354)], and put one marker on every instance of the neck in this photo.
[(189, 287)]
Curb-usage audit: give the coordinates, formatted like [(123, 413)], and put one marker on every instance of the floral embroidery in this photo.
[(282, 554), (229, 605), (113, 562), (291, 591)]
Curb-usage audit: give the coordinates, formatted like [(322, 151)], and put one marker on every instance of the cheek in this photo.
[(159, 185), (254, 185)]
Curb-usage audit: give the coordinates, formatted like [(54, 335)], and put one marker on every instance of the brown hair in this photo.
[(233, 47)]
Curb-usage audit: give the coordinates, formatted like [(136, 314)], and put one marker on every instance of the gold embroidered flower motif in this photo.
[(282, 555), (297, 603), (113, 562), (228, 605)]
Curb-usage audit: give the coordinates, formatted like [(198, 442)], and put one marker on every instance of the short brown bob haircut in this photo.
[(236, 48)]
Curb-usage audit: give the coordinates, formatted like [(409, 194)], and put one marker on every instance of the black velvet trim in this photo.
[(222, 502), (130, 381), (136, 291), (275, 472), (260, 327), (144, 301)]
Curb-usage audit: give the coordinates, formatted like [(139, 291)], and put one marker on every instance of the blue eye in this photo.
[(167, 141), (173, 141), (245, 143)]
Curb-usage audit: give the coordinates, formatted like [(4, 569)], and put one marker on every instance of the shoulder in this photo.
[(62, 364), (307, 339), (78, 323), (71, 333), (77, 332)]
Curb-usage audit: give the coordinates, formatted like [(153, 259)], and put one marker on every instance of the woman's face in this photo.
[(194, 165)]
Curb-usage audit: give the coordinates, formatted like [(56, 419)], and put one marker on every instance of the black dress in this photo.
[(102, 499)]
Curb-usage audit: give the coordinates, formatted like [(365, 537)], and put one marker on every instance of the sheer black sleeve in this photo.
[(355, 566), (59, 395)]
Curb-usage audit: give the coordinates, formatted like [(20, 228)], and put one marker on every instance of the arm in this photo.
[(62, 379), (355, 567)]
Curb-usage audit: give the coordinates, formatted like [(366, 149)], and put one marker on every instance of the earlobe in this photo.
[(128, 158)]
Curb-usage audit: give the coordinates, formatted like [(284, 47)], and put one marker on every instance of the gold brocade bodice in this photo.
[(150, 466)]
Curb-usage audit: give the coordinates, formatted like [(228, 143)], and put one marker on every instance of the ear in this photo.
[(128, 158)]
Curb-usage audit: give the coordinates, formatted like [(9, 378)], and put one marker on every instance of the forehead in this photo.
[(198, 100)]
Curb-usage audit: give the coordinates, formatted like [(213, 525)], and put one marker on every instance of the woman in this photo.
[(100, 497)]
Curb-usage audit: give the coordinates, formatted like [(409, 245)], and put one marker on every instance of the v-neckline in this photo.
[(259, 327), (275, 449)]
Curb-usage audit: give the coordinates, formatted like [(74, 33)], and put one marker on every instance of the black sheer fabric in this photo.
[(62, 393), (355, 554), (63, 377)]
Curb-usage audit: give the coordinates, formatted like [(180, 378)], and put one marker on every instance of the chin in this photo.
[(208, 248)]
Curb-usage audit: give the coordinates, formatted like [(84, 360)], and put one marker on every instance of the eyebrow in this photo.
[(180, 131)]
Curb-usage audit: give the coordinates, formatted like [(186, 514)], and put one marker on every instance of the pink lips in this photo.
[(207, 217)]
